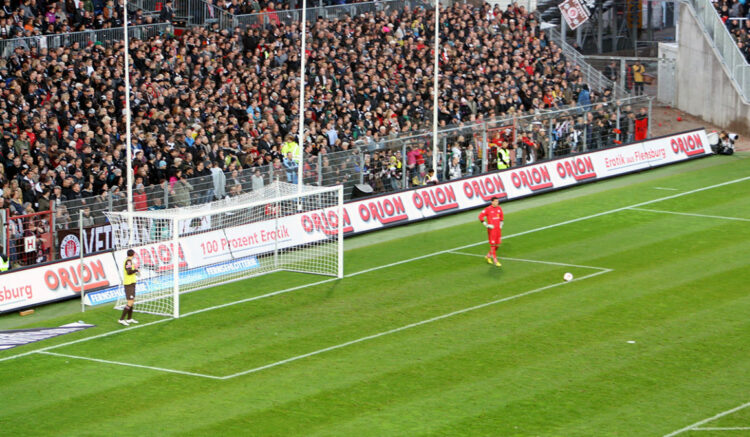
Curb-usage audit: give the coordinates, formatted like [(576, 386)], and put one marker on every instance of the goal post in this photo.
[(276, 228)]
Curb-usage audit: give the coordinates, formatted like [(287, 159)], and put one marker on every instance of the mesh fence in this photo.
[(82, 39)]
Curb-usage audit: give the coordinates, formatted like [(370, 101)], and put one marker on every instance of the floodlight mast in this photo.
[(128, 151), (435, 87), (300, 146)]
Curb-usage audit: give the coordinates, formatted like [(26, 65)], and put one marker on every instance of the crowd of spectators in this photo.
[(27, 18), (210, 102), (736, 16)]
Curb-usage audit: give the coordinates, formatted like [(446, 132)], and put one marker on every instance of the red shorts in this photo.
[(494, 235)]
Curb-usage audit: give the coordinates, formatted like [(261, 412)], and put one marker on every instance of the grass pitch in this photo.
[(422, 337)]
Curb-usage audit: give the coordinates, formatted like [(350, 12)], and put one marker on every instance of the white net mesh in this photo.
[(268, 230)]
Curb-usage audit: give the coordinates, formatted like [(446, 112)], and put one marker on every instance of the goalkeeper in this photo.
[(492, 218), (128, 280)]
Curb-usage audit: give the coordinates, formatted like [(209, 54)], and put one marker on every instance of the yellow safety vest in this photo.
[(503, 156), (126, 278), (290, 146), (4, 265)]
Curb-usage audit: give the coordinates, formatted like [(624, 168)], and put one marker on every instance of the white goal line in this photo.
[(518, 234)]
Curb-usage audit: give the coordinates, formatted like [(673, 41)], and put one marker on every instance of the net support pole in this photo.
[(176, 268), (340, 236), (80, 261), (128, 152), (301, 140), (276, 211)]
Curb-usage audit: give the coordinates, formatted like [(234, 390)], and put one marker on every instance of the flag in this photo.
[(574, 12)]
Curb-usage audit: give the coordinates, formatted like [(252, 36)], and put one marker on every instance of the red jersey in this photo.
[(493, 214)]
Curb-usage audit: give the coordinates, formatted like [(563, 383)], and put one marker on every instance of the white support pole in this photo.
[(276, 212), (128, 151), (341, 232), (82, 284), (176, 267), (435, 87), (301, 139)]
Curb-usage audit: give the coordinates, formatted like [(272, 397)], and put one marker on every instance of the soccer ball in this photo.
[(568, 277)]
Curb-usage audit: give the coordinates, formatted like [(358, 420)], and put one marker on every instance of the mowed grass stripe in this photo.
[(296, 324), (599, 200), (461, 364), (289, 408), (611, 317), (545, 347), (404, 380)]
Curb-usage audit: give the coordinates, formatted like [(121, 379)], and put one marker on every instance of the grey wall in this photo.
[(703, 87)]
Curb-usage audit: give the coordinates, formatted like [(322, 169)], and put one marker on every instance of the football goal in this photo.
[(276, 228)]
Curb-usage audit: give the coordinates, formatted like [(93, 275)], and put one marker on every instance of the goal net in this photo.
[(185, 249)]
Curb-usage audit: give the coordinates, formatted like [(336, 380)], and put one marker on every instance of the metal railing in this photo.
[(83, 39), (202, 13), (327, 12), (737, 66), (592, 76), (658, 75)]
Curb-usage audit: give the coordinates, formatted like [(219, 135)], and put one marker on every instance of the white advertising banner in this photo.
[(55, 281), (51, 282)]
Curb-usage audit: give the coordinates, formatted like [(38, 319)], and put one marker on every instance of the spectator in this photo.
[(257, 180), (290, 165), (140, 199), (166, 15), (219, 180), (638, 70), (454, 168), (181, 190), (584, 97), (612, 71), (62, 218), (88, 220)]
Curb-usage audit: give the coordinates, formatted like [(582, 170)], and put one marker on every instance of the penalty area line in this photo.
[(120, 363), (704, 421), (409, 326), (535, 261)]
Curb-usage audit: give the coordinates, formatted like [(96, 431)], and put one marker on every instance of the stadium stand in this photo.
[(221, 107)]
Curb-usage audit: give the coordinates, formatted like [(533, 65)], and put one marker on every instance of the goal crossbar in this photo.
[(186, 249), (221, 206)]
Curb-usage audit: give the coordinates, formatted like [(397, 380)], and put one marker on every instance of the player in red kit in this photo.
[(492, 218)]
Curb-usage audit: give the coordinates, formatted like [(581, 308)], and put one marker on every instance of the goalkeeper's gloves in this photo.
[(488, 226)]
